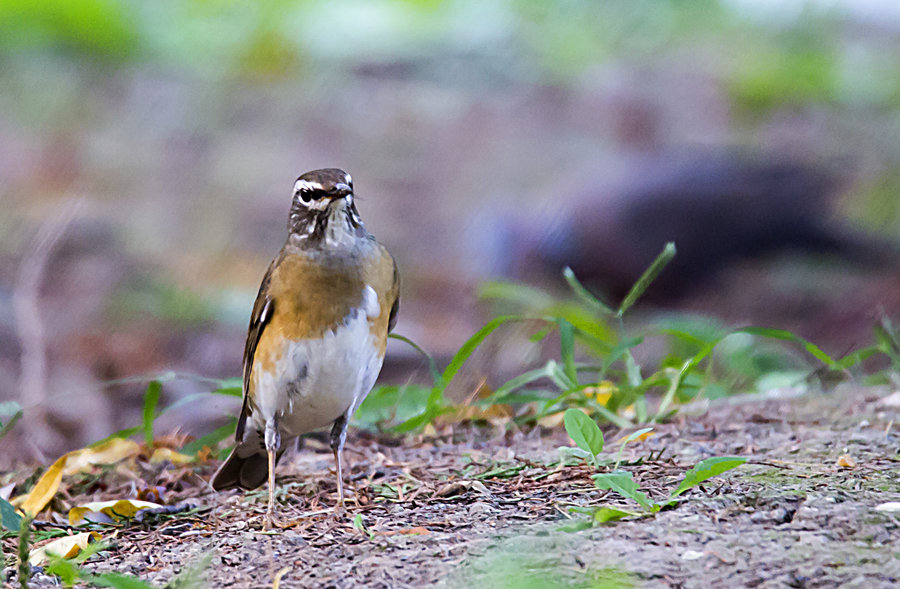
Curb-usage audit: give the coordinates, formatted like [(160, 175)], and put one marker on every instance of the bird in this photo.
[(317, 336)]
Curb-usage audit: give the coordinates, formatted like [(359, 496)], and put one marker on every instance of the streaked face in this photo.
[(318, 189)]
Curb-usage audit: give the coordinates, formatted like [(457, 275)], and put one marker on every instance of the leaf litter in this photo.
[(491, 507)]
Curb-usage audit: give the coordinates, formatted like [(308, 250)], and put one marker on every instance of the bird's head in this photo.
[(319, 189), (323, 206)]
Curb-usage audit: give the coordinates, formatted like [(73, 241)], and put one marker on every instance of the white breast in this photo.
[(315, 381)]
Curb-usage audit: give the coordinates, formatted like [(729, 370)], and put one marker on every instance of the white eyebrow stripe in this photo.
[(306, 185), (347, 178)]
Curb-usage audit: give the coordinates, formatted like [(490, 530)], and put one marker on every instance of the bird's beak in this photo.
[(342, 190)]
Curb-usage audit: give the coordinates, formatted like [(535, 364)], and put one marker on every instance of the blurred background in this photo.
[(148, 150)]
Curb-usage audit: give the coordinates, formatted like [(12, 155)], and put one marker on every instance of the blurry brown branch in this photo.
[(29, 325)]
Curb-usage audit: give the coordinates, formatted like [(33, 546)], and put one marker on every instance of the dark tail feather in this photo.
[(245, 472)]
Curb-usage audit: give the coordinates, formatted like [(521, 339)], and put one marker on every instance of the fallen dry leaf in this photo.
[(459, 487), (846, 461), (276, 582), (66, 547), (108, 452), (44, 490), (169, 455), (108, 511), (416, 531)]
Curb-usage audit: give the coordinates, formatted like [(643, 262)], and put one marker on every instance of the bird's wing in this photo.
[(395, 295), (262, 313)]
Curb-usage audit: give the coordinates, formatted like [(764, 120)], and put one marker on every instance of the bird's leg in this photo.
[(273, 442), (338, 437)]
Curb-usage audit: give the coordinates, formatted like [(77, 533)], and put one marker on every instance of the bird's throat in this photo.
[(337, 224)]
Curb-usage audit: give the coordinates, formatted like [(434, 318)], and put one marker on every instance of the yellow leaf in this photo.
[(276, 582), (601, 392), (108, 452), (45, 488), (846, 461), (645, 435), (169, 455), (108, 511), (66, 547)]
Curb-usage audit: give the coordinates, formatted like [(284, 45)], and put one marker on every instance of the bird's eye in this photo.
[(305, 195)]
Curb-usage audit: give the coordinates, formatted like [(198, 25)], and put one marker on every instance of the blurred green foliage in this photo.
[(613, 377), (90, 27)]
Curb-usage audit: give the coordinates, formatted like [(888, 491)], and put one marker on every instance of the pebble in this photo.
[(692, 555), (479, 508)]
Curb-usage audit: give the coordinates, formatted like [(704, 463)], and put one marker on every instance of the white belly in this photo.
[(313, 382)]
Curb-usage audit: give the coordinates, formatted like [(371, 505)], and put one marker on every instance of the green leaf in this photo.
[(601, 515), (608, 514), (567, 349), (578, 525), (585, 295), (67, 571), (622, 483), (707, 469), (583, 431), (647, 278), (11, 520), (151, 400)]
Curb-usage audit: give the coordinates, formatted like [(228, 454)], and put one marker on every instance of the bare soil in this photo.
[(489, 508)]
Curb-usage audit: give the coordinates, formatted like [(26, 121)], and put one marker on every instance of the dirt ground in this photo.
[(488, 508)]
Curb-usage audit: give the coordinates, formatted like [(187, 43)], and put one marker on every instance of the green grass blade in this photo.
[(852, 359), (466, 350), (515, 383), (629, 438), (151, 400), (583, 431), (784, 335), (707, 469), (585, 295), (647, 278), (118, 581), (618, 352), (632, 370), (11, 413), (567, 349), (432, 365), (230, 390), (211, 439), (525, 297), (435, 405), (611, 417)]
